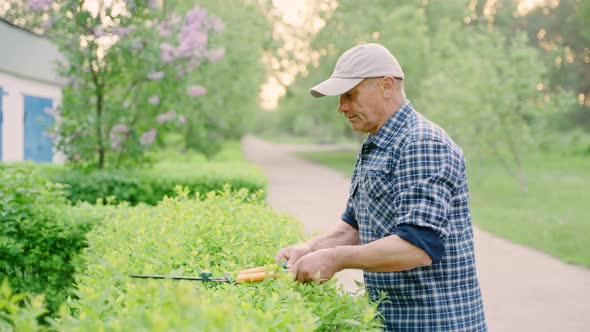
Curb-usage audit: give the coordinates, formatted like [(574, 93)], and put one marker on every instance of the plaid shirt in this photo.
[(411, 172)]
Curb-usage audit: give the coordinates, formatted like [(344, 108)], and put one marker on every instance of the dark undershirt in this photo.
[(422, 237)]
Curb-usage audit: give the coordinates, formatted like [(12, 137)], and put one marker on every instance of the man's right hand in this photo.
[(293, 253)]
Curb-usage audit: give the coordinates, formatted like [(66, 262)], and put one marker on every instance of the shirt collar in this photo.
[(392, 127)]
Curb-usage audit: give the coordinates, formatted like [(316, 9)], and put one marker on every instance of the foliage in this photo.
[(498, 111), (39, 236), (560, 30), (347, 26), (234, 81), (480, 85), (223, 232), (151, 186), (19, 312), (126, 65)]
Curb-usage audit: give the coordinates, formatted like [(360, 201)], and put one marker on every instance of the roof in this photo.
[(27, 54)]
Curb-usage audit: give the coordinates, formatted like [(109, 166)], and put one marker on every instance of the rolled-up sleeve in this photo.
[(427, 174), (349, 218)]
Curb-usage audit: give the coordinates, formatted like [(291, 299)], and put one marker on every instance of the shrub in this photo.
[(150, 186), (221, 232), (19, 312), (39, 235)]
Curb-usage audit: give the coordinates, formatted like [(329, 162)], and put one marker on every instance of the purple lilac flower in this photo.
[(153, 4), (120, 129), (154, 100), (167, 52), (168, 25), (165, 117), (215, 55), (148, 137), (192, 39), (48, 23), (98, 32), (196, 90), (124, 31), (39, 5), (118, 135), (156, 75), (193, 44), (196, 16), (137, 43)]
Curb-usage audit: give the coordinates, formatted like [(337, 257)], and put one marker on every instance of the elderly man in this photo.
[(407, 222)]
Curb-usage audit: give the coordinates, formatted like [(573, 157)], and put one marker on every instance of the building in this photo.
[(29, 90)]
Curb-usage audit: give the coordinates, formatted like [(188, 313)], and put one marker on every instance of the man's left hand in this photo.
[(318, 266)]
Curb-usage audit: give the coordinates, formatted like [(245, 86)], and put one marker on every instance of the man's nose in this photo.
[(343, 106)]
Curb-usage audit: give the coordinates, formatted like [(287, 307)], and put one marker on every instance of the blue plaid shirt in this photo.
[(411, 173)]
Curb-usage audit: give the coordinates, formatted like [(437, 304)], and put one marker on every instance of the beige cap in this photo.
[(360, 62)]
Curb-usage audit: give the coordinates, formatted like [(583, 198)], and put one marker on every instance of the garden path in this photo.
[(523, 289)]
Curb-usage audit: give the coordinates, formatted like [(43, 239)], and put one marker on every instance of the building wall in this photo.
[(15, 88), (26, 54), (27, 68)]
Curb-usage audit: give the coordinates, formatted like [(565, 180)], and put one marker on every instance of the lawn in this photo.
[(554, 216)]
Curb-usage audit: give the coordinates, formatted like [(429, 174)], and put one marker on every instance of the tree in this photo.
[(127, 68), (348, 25), (235, 80), (479, 84), (560, 30), (488, 99)]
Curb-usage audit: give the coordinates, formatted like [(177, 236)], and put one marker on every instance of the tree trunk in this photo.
[(98, 89)]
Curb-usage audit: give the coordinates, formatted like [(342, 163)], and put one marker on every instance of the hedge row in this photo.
[(150, 186), (40, 235), (222, 232)]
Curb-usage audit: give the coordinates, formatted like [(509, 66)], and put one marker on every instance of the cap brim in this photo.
[(334, 86)]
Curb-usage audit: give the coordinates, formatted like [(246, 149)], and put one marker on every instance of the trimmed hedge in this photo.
[(222, 232), (19, 312), (40, 235), (150, 186)]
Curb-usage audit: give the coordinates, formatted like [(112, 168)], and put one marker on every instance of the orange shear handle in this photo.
[(255, 275)]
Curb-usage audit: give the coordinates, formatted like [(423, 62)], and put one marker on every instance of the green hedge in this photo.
[(19, 312), (150, 186), (40, 235), (222, 232)]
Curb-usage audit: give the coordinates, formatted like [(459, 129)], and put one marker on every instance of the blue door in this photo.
[(38, 146)]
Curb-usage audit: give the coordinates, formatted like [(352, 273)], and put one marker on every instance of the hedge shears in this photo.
[(256, 274)]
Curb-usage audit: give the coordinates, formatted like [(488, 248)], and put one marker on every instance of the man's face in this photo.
[(363, 106)]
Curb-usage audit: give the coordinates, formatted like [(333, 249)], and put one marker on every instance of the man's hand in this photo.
[(293, 253), (318, 266)]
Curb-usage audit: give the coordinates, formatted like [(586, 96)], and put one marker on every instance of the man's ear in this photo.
[(387, 86)]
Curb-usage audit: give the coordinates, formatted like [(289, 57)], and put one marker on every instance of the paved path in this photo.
[(523, 289)]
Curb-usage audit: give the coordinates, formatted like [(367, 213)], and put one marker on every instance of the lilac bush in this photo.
[(125, 65)]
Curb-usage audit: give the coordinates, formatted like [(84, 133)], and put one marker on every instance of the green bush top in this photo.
[(223, 232)]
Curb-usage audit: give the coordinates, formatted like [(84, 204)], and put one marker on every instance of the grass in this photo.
[(553, 216), (231, 151)]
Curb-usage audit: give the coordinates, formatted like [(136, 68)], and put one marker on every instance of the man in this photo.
[(407, 222)]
